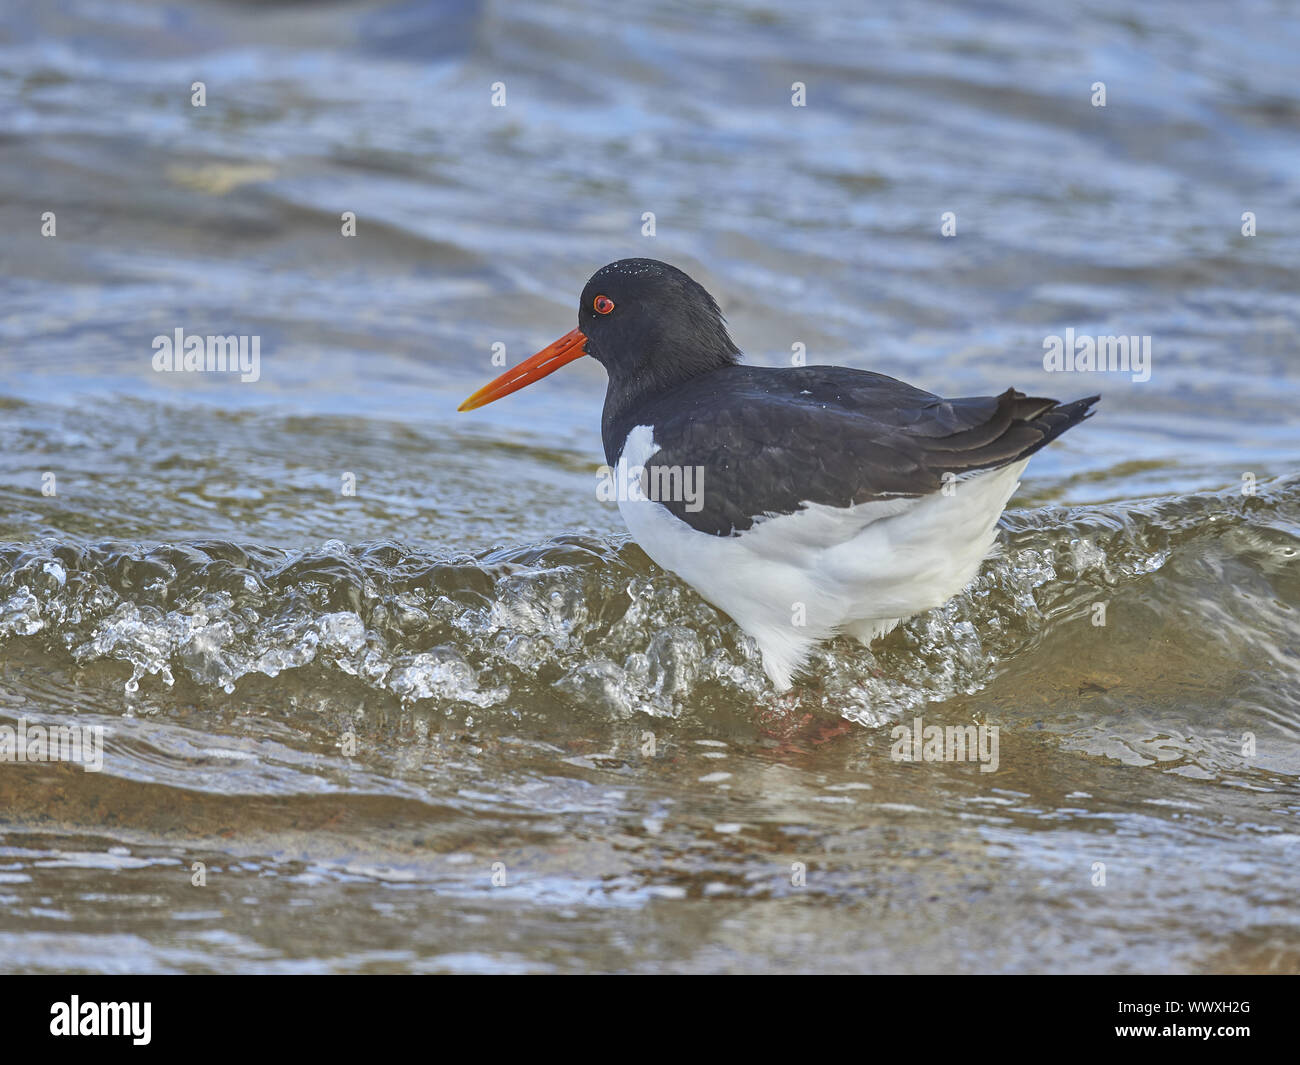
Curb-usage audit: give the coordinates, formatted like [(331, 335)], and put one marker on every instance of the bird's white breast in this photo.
[(792, 580)]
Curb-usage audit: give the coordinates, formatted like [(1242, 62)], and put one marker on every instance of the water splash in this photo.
[(587, 622)]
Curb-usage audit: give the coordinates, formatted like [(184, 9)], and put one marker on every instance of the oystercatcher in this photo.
[(826, 500)]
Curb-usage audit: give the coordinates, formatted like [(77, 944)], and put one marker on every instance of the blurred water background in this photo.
[(456, 721)]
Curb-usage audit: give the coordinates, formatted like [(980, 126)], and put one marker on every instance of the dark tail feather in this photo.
[(1020, 426), (1057, 418)]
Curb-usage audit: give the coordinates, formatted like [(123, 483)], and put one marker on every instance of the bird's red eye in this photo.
[(602, 305)]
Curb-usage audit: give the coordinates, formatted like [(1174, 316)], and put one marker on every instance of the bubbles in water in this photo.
[(583, 621), (20, 614)]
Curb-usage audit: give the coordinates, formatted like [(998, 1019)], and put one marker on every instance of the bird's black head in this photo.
[(650, 325)]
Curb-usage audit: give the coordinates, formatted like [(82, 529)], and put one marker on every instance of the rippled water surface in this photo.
[(455, 720)]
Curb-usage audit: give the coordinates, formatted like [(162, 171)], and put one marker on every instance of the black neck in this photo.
[(629, 403)]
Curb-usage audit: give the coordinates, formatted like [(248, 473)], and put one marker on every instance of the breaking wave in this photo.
[(590, 624)]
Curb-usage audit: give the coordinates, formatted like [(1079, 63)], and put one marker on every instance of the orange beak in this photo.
[(569, 347)]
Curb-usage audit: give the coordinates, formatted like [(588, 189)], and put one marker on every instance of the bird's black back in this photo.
[(770, 440)]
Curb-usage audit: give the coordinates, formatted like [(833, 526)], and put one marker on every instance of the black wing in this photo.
[(771, 440)]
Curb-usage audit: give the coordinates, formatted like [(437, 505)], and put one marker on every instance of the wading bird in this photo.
[(828, 500)]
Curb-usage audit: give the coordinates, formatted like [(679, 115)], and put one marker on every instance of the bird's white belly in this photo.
[(793, 580)]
